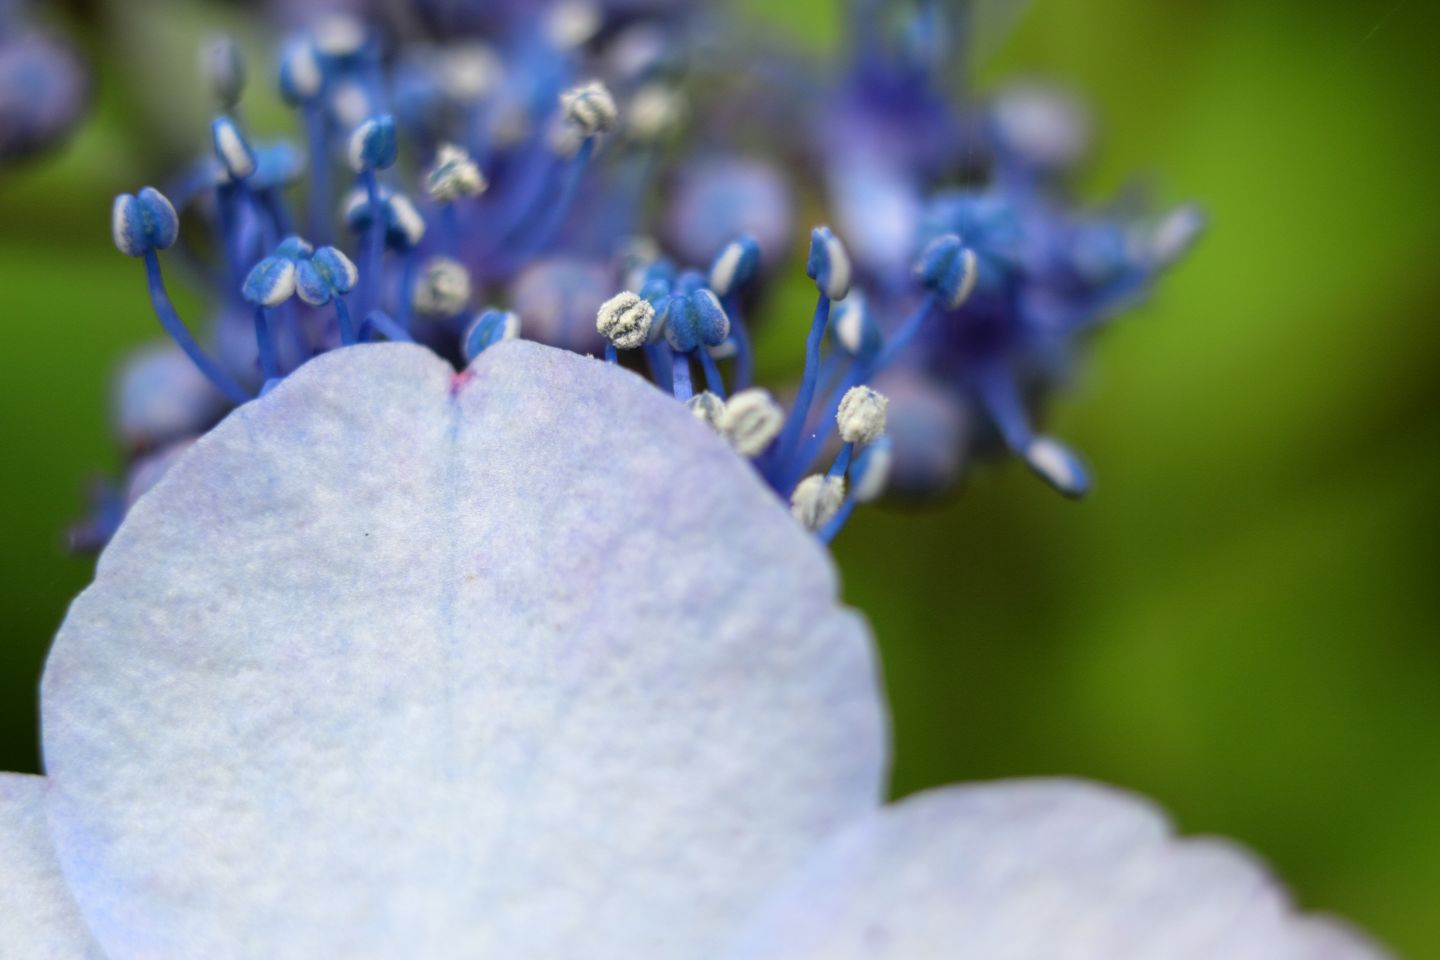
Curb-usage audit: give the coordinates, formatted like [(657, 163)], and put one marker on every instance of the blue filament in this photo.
[(178, 332)]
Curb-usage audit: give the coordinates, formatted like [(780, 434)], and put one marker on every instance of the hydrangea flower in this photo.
[(526, 662), (44, 86)]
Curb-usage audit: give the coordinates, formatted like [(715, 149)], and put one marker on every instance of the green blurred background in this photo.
[(1242, 620)]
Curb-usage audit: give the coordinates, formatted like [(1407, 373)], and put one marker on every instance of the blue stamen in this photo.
[(800, 411), (178, 332), (713, 380), (269, 364), (377, 321), (342, 317), (375, 241), (680, 377)]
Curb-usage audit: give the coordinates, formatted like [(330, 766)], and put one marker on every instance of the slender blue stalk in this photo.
[(713, 381), (842, 461), (375, 241), (610, 354), (377, 321), (800, 411), (861, 372), (319, 173), (554, 214), (405, 309), (269, 365), (178, 332), (744, 351), (680, 377), (1001, 400), (450, 229), (659, 359), (837, 522), (342, 317)]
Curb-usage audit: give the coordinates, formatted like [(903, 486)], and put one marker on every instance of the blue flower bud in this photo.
[(404, 227), (143, 223), (337, 269), (232, 149), (270, 283), (294, 248), (948, 268), (688, 281), (735, 266), (828, 264), (223, 65), (374, 145), (713, 322), (488, 329), (681, 322), (301, 76)]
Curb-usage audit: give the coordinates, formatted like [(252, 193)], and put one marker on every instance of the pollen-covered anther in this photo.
[(324, 275), (232, 149), (861, 416), (625, 320), (828, 264), (817, 499), (454, 176), (708, 408), (1058, 466), (443, 289), (374, 144), (488, 329), (751, 421), (949, 269), (655, 111), (143, 222), (589, 108)]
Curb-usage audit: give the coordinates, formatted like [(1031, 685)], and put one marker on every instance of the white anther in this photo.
[(1053, 461), (407, 219), (848, 317), (590, 107), (239, 162), (444, 288), (751, 421), (707, 408), (454, 175), (817, 499), (625, 320), (470, 71), (655, 111), (870, 484), (1042, 124), (350, 103), (305, 75), (966, 286), (861, 416), (722, 272), (572, 23), (338, 35), (839, 284), (1174, 234)]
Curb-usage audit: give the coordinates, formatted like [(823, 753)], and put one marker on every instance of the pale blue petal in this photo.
[(1034, 870), (521, 664), (38, 919)]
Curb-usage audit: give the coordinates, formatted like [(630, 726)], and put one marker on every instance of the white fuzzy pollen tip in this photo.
[(444, 288), (654, 111), (572, 23), (816, 500), (408, 219), (971, 273), (752, 419), (339, 35), (455, 175), (849, 319), (1053, 461), (589, 108), (625, 320), (861, 416), (708, 408), (839, 284)]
